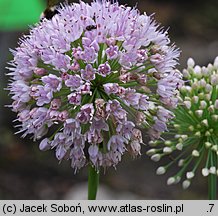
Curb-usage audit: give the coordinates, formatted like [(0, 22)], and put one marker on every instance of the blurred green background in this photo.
[(27, 173)]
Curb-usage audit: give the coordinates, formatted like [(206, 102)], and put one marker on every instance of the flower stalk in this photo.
[(212, 179), (93, 182)]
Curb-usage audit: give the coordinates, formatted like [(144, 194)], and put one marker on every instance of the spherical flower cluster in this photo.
[(90, 78), (195, 126)]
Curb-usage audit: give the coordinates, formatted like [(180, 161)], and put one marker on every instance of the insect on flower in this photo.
[(91, 27), (51, 10)]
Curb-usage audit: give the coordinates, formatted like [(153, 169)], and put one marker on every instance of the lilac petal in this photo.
[(44, 144)]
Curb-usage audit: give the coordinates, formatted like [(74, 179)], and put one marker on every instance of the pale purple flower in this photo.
[(41, 94), (61, 62), (112, 52), (90, 79), (53, 115), (73, 81), (86, 113), (35, 123), (24, 115), (89, 55), (117, 143), (55, 104), (75, 66), (74, 98), (142, 55), (99, 124), (135, 144), (72, 127), (104, 69), (164, 114), (40, 71), (160, 125), (20, 91), (128, 59), (94, 136), (168, 88), (114, 108), (93, 153), (126, 129), (44, 144), (88, 43), (61, 143), (53, 82), (111, 88), (77, 157), (143, 103), (85, 88), (88, 73), (77, 52), (157, 59), (62, 116), (135, 99)]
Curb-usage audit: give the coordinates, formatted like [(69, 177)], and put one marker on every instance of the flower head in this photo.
[(99, 74), (194, 126)]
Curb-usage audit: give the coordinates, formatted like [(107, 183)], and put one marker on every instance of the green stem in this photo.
[(212, 181), (93, 181)]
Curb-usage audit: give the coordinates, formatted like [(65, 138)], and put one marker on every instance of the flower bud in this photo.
[(208, 88), (181, 162), (40, 71), (190, 175), (167, 150), (190, 62), (216, 104), (205, 122), (197, 71), (199, 113), (208, 144), (161, 170), (215, 118), (202, 83), (156, 157), (207, 133), (203, 104), (187, 104), (44, 144), (204, 71), (211, 109), (216, 62), (151, 152), (186, 73), (179, 146), (205, 172), (208, 96), (186, 184), (195, 153), (198, 134), (195, 99), (214, 79), (171, 180), (191, 128), (168, 143), (215, 148), (213, 170), (178, 178)]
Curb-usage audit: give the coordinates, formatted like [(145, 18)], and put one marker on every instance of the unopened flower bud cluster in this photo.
[(195, 126)]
